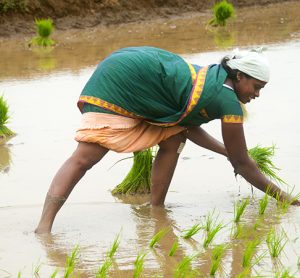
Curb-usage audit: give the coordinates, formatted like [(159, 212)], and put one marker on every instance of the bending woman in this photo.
[(139, 97)]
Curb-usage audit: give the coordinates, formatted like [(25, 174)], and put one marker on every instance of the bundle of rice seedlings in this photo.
[(138, 180), (222, 12), (5, 132), (44, 30), (263, 158)]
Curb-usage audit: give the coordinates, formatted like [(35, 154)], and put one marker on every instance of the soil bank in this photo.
[(17, 16)]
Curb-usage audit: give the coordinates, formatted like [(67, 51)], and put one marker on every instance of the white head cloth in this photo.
[(253, 63)]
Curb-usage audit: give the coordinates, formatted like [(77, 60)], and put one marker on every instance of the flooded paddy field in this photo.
[(42, 89)]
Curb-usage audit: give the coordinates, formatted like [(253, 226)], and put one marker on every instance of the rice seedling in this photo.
[(262, 156), (36, 269), (4, 118), (188, 233), (184, 268), (103, 271), (44, 30), (158, 236), (249, 253), (138, 180), (276, 242), (53, 275), (210, 235), (262, 204), (217, 255), (173, 248), (210, 221), (114, 247), (139, 265), (283, 204), (284, 273), (71, 262), (239, 208), (298, 263), (222, 12)]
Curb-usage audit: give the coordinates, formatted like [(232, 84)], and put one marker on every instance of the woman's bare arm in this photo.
[(234, 141), (201, 138)]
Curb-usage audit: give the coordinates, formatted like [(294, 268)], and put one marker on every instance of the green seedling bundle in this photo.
[(5, 132), (222, 11), (44, 30), (138, 180)]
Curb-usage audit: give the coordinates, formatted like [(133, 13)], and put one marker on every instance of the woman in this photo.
[(139, 97)]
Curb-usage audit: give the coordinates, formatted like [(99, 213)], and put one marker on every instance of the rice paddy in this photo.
[(92, 217)]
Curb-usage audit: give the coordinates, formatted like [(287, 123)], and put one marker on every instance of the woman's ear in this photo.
[(238, 76)]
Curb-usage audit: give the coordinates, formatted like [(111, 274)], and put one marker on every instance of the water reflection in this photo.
[(5, 158)]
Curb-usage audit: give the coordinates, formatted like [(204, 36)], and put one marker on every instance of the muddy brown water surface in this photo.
[(42, 89)]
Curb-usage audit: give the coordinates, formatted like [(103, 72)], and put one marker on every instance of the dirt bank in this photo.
[(16, 16)]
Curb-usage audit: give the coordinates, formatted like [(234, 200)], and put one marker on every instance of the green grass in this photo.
[(4, 118), (158, 236), (263, 203), (139, 265), (263, 158), (54, 273), (44, 30), (173, 248), (217, 255), (188, 233), (71, 262), (276, 242), (239, 208), (138, 180), (222, 12)]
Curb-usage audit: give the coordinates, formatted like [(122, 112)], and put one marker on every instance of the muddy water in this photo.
[(42, 89)]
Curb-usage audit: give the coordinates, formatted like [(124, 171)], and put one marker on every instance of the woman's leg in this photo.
[(85, 157), (163, 167)]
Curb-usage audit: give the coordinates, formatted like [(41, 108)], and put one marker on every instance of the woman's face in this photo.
[(247, 88)]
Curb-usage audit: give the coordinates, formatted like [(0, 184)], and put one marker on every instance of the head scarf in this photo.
[(253, 63)]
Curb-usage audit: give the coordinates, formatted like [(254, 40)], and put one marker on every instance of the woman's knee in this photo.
[(87, 155)]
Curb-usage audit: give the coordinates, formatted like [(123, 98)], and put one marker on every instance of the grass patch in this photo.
[(12, 6), (138, 180), (44, 29), (249, 254), (210, 235), (222, 11)]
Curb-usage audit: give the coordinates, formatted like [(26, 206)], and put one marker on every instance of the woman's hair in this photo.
[(232, 73)]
